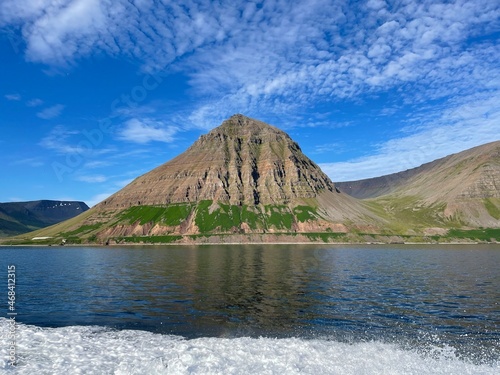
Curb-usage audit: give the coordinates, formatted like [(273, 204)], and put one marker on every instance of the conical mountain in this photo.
[(247, 181), (243, 161), (244, 177)]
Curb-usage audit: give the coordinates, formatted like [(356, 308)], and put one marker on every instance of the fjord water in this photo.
[(255, 309)]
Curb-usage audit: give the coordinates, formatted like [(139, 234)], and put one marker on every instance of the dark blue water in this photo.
[(447, 295)]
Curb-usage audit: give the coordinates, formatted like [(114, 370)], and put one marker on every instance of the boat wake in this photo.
[(99, 350)]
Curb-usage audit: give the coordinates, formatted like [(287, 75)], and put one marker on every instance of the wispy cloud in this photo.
[(61, 32), (51, 112), (464, 126), (275, 54), (274, 59), (34, 102), (13, 97), (66, 141), (31, 162), (56, 31), (277, 58), (329, 148), (57, 140), (145, 131), (94, 164), (92, 178)]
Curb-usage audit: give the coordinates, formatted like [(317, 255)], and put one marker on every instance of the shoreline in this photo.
[(250, 243)]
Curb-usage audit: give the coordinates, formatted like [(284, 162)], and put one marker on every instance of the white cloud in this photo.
[(279, 57), (422, 47), (51, 112), (92, 179), (22, 9), (145, 131), (56, 31), (465, 126), (276, 55), (13, 97), (59, 32), (376, 4)]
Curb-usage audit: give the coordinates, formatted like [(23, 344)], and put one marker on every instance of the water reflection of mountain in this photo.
[(249, 289)]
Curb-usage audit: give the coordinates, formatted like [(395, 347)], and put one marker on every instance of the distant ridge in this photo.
[(22, 217), (465, 185), (377, 186)]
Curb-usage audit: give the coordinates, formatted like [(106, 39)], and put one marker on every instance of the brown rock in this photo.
[(243, 161)]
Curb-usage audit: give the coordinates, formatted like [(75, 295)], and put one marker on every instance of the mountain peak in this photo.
[(242, 161), (239, 119), (240, 125)]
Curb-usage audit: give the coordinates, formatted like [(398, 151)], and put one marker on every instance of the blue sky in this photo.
[(94, 93)]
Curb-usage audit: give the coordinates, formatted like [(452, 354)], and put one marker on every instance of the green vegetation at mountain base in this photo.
[(326, 236), (149, 239), (222, 218), (228, 218), (305, 213), (483, 234), (171, 215), (493, 207), (219, 217), (278, 216), (410, 213), (408, 221)]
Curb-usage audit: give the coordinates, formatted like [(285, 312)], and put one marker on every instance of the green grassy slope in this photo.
[(407, 220), (208, 219)]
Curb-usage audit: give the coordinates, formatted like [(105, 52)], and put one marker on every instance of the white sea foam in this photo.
[(94, 350)]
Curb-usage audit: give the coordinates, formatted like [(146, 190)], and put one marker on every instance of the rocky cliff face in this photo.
[(243, 161)]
